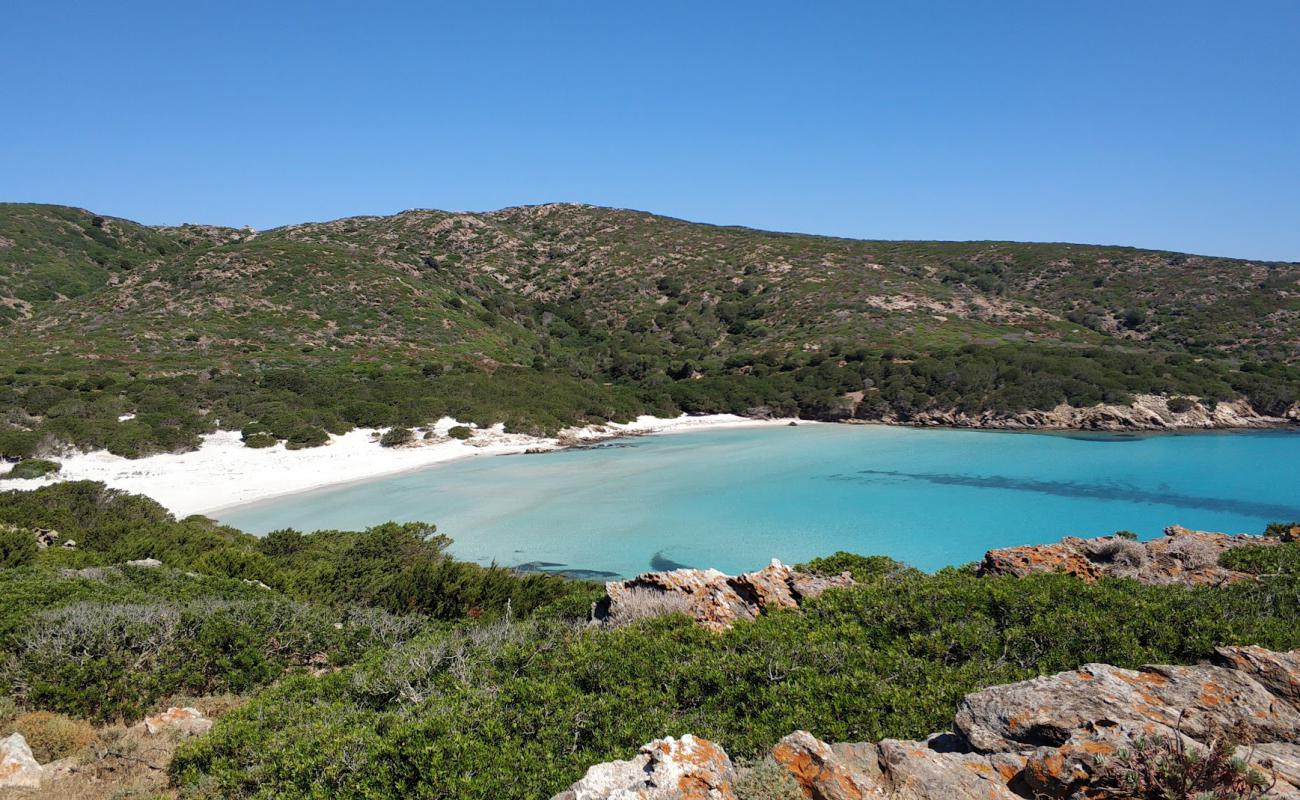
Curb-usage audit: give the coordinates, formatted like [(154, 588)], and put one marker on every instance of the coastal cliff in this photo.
[(1084, 734)]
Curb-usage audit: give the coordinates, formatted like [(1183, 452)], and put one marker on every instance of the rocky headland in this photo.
[(1147, 412)]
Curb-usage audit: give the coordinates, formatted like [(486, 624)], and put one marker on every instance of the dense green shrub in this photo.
[(1264, 560), (1180, 405), (460, 432), (18, 444), (306, 436), (112, 660), (17, 547), (402, 568), (863, 568), (616, 379)]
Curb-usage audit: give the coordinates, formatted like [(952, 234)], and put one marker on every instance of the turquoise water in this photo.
[(733, 499)]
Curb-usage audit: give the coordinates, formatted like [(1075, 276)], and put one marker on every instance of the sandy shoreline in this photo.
[(223, 473)]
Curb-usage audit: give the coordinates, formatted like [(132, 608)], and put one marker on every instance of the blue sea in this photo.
[(735, 498)]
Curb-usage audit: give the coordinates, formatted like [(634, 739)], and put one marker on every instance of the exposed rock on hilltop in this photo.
[(1182, 556), (711, 598), (1061, 736)]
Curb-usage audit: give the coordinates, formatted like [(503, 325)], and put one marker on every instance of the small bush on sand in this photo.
[(396, 437), (32, 468), (461, 432), (258, 440)]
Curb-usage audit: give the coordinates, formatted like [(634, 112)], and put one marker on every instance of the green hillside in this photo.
[(626, 311)]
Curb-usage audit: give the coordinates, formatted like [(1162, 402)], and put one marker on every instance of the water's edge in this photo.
[(733, 499)]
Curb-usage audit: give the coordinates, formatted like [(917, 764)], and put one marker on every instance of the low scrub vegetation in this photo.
[(376, 666)]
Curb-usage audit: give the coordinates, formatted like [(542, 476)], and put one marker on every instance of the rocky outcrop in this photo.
[(711, 598), (1182, 556), (1061, 737), (896, 769), (18, 768), (1147, 412), (666, 769), (187, 721)]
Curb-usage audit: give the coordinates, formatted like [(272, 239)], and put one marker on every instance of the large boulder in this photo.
[(688, 768), (1157, 700), (895, 769), (824, 773), (1181, 556), (18, 768), (713, 599)]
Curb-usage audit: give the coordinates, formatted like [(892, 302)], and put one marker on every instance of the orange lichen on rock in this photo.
[(817, 769)]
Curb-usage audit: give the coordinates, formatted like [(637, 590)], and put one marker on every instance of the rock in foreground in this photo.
[(714, 600), (666, 769), (1059, 737), (18, 767), (1183, 556)]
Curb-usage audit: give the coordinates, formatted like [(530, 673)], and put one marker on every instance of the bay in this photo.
[(735, 498)]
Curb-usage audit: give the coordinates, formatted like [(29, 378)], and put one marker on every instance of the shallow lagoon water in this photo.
[(735, 498)]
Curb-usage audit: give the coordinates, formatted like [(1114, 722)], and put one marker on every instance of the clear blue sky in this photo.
[(1164, 124)]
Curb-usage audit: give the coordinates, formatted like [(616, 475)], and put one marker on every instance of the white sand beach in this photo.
[(224, 473)]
